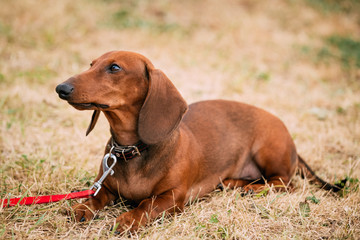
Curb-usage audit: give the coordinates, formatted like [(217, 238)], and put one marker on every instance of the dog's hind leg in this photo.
[(256, 185), (234, 183)]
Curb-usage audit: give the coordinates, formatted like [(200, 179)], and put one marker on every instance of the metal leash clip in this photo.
[(106, 171)]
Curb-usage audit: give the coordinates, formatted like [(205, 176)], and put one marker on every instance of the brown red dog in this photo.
[(168, 152)]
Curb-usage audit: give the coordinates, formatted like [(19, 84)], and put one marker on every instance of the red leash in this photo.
[(45, 199), (55, 198)]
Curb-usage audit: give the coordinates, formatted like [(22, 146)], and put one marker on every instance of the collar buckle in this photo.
[(127, 152), (135, 151)]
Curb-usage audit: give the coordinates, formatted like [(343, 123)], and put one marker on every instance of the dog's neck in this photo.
[(123, 126)]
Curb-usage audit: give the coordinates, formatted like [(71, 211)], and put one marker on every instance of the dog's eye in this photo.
[(114, 68)]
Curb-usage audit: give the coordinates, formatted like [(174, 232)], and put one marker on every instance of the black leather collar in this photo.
[(127, 152)]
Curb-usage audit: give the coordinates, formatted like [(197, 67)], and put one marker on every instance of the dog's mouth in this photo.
[(84, 106)]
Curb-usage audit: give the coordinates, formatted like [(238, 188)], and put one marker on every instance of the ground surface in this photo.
[(298, 59)]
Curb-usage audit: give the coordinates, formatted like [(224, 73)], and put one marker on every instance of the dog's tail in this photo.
[(306, 171)]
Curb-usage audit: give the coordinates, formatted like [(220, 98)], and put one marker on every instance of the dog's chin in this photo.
[(89, 106)]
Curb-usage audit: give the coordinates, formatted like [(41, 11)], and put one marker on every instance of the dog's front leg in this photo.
[(171, 201), (86, 211)]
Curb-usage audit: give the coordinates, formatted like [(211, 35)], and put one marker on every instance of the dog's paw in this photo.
[(126, 221), (129, 221), (220, 186), (247, 192), (82, 212)]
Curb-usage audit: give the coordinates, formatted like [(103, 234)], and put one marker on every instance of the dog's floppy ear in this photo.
[(93, 121), (162, 110)]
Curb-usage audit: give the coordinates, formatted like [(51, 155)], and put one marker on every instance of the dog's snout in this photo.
[(64, 90)]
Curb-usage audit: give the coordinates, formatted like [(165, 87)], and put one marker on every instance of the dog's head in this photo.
[(120, 79)]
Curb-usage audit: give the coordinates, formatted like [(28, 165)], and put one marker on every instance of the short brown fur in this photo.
[(192, 149)]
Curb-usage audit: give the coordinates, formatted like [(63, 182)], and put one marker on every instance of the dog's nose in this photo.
[(64, 90)]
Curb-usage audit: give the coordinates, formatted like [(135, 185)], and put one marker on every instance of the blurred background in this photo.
[(299, 59)]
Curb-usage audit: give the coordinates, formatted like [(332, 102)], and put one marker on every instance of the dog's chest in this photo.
[(137, 187), (133, 184)]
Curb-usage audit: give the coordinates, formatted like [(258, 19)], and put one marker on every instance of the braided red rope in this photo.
[(46, 199)]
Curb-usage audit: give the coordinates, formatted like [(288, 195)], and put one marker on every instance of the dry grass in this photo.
[(297, 59)]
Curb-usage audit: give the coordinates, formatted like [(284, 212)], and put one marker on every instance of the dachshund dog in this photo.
[(168, 152)]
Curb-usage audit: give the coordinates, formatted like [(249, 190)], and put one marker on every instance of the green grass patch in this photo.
[(329, 6), (214, 218), (2, 78), (352, 186), (7, 32), (313, 199), (345, 50)]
